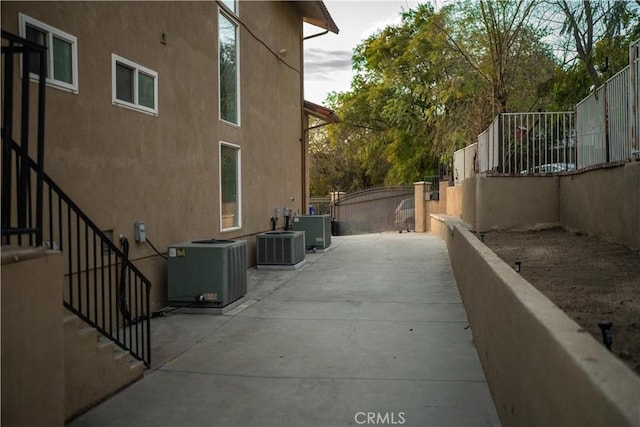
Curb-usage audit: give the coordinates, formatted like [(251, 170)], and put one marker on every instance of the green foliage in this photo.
[(432, 83)]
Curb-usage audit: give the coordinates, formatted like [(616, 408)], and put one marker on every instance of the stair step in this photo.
[(136, 364), (67, 318), (85, 330), (104, 343)]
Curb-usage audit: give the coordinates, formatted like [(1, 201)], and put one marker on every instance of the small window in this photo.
[(134, 86), (62, 53), (230, 194)]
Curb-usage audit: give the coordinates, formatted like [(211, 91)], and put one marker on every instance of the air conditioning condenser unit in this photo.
[(317, 230), (208, 273), (280, 249)]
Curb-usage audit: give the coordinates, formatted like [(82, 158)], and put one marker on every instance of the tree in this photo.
[(494, 37), (431, 84), (593, 22)]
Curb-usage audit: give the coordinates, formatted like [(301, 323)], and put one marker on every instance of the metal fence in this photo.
[(371, 211), (321, 205), (465, 161), (603, 122), (521, 144), (605, 128), (537, 142), (634, 96)]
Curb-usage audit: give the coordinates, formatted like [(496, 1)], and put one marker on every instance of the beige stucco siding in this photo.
[(121, 165)]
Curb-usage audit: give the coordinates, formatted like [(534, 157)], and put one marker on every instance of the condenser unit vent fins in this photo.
[(280, 248)]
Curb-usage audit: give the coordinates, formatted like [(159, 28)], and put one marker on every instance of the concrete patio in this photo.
[(370, 332)]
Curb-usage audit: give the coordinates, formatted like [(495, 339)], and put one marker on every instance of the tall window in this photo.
[(228, 66), (134, 86), (230, 194), (62, 52), (231, 4)]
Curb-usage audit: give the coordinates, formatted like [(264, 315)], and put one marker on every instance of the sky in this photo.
[(327, 59)]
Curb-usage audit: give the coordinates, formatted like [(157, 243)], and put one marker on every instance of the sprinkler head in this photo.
[(607, 333)]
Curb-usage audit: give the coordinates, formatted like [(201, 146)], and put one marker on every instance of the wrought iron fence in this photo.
[(536, 142)]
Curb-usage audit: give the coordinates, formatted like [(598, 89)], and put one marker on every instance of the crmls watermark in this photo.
[(380, 418)]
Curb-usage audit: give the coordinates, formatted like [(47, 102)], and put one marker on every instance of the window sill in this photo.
[(65, 87), (135, 108)]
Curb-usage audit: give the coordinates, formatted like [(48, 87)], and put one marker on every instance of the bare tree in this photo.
[(589, 21)]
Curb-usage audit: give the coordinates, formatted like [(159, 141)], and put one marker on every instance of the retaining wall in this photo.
[(603, 202), (541, 366)]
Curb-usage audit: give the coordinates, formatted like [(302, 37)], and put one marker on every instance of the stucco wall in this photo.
[(425, 206), (542, 368), (32, 338), (516, 202), (468, 202), (603, 202), (454, 201), (121, 166)]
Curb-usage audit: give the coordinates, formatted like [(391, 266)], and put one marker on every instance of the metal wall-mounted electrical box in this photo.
[(284, 249), (317, 230), (209, 273), (139, 231)]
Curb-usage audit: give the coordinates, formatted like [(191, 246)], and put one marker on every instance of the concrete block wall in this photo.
[(542, 368)]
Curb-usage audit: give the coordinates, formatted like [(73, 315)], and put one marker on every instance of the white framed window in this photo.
[(231, 5), (62, 53), (228, 69), (134, 86), (230, 187)]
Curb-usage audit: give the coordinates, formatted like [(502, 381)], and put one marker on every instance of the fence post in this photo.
[(500, 146), (420, 189), (607, 147)]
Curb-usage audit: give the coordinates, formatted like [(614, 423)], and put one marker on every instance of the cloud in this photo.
[(321, 64)]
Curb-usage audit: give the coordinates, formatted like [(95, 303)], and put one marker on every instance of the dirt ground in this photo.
[(590, 279)]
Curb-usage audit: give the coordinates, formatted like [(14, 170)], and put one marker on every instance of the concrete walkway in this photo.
[(370, 332)]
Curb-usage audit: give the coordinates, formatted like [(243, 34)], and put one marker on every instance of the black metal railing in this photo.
[(102, 286), (20, 224)]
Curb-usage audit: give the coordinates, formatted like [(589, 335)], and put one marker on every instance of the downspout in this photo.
[(304, 139)]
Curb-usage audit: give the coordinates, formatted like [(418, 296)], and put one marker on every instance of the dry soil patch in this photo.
[(590, 279)]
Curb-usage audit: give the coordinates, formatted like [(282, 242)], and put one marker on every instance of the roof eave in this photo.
[(316, 13)]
